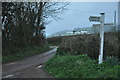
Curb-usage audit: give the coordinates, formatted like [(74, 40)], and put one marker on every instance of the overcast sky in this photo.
[(78, 14)]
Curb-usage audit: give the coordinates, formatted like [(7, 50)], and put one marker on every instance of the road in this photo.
[(30, 67)]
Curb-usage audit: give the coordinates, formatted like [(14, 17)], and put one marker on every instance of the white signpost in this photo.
[(94, 18), (101, 20)]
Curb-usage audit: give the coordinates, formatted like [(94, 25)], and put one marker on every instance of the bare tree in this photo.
[(23, 22)]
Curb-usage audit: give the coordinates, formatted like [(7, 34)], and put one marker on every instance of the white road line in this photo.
[(10, 63), (38, 67), (8, 76)]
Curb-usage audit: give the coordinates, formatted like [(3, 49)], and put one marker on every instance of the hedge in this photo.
[(90, 44)]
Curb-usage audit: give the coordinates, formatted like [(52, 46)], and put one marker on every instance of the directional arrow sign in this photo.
[(94, 19)]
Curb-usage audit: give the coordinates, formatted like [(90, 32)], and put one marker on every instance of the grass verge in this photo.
[(25, 52), (80, 66)]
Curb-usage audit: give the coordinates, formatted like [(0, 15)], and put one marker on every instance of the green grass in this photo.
[(25, 52), (79, 66)]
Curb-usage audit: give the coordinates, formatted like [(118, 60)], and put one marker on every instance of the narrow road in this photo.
[(30, 67)]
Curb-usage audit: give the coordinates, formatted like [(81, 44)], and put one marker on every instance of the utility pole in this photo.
[(115, 26), (101, 37), (118, 27), (115, 17)]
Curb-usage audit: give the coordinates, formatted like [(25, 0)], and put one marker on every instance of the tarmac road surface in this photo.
[(30, 67)]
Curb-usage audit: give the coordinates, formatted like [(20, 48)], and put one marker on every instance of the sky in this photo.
[(78, 13)]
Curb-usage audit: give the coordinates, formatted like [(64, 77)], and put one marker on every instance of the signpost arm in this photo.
[(102, 37)]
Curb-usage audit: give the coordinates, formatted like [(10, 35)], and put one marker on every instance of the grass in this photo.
[(25, 52), (79, 66)]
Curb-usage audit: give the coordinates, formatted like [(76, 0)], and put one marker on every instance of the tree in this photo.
[(23, 22)]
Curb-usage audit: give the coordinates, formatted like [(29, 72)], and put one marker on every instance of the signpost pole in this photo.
[(101, 37), (101, 20)]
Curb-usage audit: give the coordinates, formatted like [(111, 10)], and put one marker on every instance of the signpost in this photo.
[(101, 20), (94, 18)]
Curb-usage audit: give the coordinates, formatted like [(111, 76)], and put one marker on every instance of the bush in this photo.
[(89, 44), (111, 60), (55, 40)]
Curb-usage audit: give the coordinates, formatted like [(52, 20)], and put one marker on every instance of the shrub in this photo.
[(90, 44), (55, 40), (111, 60)]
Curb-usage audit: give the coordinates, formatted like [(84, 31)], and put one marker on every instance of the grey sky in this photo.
[(78, 14)]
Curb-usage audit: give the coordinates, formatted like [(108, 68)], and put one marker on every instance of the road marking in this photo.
[(10, 63), (38, 67), (8, 76)]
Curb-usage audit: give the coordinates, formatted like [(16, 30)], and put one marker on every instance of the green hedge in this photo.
[(89, 44), (55, 40)]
